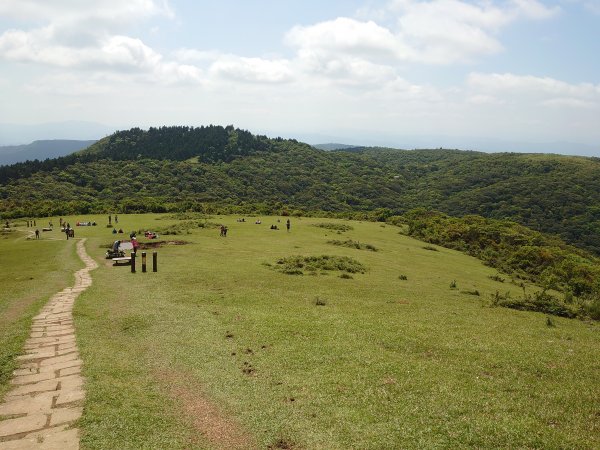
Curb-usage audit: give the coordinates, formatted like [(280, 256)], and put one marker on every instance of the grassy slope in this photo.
[(30, 272), (385, 363)]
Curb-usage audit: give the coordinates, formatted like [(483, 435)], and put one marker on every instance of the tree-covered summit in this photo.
[(210, 143)]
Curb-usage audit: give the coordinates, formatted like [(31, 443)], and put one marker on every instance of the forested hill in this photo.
[(210, 144), (181, 168)]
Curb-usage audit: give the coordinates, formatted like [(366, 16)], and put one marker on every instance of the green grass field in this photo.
[(219, 350)]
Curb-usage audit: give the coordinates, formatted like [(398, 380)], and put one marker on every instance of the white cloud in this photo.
[(252, 70), (450, 31), (482, 99), (555, 103), (76, 36), (104, 11), (571, 103), (198, 56), (593, 6), (347, 36), (70, 85), (532, 86)]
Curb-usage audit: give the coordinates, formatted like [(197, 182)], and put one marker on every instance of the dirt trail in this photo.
[(47, 393), (205, 416)]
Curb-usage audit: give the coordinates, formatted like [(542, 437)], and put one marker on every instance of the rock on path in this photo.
[(47, 393)]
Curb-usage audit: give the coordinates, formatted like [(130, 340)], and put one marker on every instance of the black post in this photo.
[(154, 262), (143, 262), (133, 262)]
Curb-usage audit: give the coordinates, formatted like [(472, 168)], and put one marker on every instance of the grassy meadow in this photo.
[(30, 273), (220, 349)]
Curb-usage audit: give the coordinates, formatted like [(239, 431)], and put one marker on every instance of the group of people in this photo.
[(288, 225), (70, 232)]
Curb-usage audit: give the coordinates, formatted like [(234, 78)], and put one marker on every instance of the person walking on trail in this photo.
[(37, 234), (288, 224)]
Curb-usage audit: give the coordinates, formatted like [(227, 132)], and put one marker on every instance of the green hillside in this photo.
[(182, 168), (226, 347)]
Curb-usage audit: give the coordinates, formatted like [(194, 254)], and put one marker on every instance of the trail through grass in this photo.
[(30, 272)]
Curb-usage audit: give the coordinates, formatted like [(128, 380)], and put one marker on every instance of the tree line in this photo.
[(187, 168)]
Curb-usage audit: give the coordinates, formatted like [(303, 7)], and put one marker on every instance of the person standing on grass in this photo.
[(37, 234), (288, 225)]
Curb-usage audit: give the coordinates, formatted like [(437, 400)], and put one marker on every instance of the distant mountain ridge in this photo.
[(43, 149), (22, 134)]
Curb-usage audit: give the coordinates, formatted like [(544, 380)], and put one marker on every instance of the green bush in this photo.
[(184, 227), (296, 265), (544, 303), (353, 244)]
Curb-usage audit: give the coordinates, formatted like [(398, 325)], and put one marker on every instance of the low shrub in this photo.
[(296, 265), (184, 227), (471, 292), (353, 244), (541, 302), (496, 277)]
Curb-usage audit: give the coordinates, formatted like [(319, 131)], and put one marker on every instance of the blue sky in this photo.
[(406, 73)]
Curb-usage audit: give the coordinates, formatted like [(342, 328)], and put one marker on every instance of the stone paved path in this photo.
[(47, 394)]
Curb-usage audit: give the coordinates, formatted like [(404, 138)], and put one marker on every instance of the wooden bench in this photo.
[(123, 261)]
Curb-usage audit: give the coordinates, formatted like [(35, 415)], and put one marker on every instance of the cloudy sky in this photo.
[(395, 72)]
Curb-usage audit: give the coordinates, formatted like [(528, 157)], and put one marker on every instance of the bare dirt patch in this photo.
[(157, 244), (209, 419), (17, 308)]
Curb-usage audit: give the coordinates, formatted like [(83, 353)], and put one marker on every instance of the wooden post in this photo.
[(143, 262), (154, 262), (133, 262)]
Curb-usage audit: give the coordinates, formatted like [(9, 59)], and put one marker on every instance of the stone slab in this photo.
[(22, 424), (65, 415), (42, 386)]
